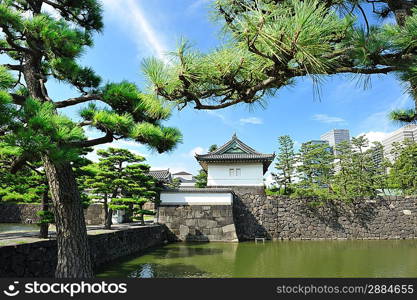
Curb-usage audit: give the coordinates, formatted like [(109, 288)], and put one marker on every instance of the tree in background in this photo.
[(315, 170), (359, 173), (212, 148), (112, 178), (403, 172), (285, 165), (28, 185), (138, 188), (269, 43), (41, 46), (201, 179)]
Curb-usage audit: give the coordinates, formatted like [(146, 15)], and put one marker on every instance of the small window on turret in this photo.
[(231, 172), (238, 172)]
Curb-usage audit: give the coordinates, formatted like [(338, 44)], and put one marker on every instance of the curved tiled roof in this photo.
[(161, 175), (235, 151)]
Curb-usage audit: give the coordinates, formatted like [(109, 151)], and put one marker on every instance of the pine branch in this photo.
[(108, 138), (10, 39), (77, 100), (18, 99)]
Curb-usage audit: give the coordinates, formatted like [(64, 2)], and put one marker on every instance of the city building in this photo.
[(398, 136), (336, 136)]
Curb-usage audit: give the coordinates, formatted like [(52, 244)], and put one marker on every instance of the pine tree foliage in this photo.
[(122, 181), (32, 126), (27, 186), (41, 41), (285, 165), (403, 172), (201, 179), (267, 44), (315, 170)]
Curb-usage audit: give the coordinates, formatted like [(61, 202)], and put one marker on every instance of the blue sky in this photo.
[(136, 29)]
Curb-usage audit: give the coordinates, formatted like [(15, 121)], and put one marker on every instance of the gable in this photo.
[(234, 148)]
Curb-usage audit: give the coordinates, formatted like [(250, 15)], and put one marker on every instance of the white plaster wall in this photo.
[(186, 177), (184, 198), (250, 175)]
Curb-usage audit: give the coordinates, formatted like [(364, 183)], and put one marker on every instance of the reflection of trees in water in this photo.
[(275, 259), (185, 250), (326, 259), (175, 270)]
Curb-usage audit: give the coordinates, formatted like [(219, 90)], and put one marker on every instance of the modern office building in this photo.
[(336, 136), (398, 136)]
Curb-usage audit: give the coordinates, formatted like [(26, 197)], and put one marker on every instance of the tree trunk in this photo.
[(109, 220), (108, 214), (43, 231), (73, 251)]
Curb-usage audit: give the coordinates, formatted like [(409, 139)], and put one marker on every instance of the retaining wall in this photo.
[(200, 223), (39, 259), (275, 217), (26, 213)]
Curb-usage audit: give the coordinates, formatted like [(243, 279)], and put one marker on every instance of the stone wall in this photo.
[(258, 215), (26, 213), (19, 213), (200, 223), (94, 214), (39, 259)]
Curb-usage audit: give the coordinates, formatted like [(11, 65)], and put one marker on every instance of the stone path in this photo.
[(22, 237)]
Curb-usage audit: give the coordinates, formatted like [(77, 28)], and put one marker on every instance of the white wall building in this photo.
[(235, 164), (398, 136), (186, 179)]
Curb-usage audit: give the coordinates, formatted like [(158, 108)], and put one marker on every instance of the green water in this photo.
[(273, 259), (16, 227)]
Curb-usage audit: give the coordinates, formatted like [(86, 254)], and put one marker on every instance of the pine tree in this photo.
[(138, 189), (403, 172), (120, 180), (315, 170), (285, 163), (201, 179), (359, 175), (270, 43), (41, 46)]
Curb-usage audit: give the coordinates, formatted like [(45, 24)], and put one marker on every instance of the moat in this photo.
[(379, 258)]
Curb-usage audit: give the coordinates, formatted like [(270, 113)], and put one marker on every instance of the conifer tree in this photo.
[(285, 165), (120, 180), (403, 172), (41, 46), (315, 164), (201, 179)]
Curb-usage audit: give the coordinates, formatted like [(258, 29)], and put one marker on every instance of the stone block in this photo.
[(229, 228)]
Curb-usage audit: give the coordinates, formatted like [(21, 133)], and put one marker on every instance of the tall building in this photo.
[(336, 136), (398, 136)]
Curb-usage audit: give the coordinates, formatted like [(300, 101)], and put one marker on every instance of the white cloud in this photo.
[(196, 150), (379, 121), (251, 120), (375, 136), (323, 118), (116, 144), (135, 21)]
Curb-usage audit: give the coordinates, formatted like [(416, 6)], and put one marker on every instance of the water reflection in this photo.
[(273, 259)]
